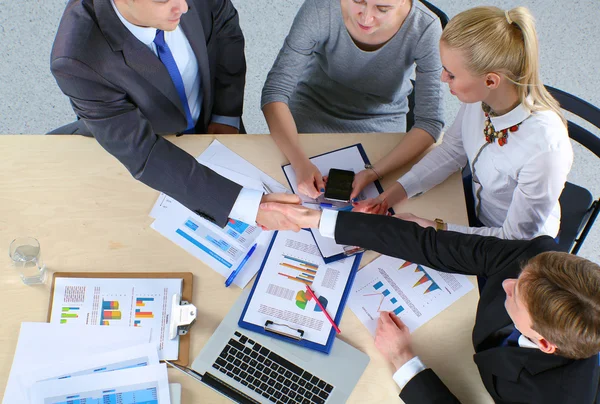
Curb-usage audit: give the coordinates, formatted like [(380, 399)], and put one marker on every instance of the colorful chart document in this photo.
[(147, 385), (280, 294), (413, 292), (119, 302), (220, 248)]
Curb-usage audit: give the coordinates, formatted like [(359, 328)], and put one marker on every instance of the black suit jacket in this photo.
[(510, 374), (127, 100)]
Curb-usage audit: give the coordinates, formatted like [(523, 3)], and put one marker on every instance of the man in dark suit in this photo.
[(537, 329), (136, 70)]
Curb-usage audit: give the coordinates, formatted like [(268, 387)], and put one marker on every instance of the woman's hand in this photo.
[(361, 180), (377, 206), (309, 179)]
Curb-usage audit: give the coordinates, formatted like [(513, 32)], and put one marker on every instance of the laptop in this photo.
[(250, 368)]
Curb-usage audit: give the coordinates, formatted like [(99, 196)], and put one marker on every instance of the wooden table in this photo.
[(90, 215)]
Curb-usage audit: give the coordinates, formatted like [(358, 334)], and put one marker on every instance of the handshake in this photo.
[(284, 212)]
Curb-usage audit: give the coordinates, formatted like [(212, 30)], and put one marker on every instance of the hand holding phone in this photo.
[(339, 185)]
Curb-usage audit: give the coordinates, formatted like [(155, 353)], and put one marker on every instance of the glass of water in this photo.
[(27, 260)]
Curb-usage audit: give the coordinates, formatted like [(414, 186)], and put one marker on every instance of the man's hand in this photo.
[(298, 214), (409, 217), (274, 220), (221, 129), (361, 180), (309, 179), (392, 339), (376, 206)]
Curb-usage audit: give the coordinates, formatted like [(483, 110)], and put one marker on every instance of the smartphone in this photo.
[(339, 185)]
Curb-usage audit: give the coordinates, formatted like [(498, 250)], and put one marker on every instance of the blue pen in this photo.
[(326, 205), (345, 208), (229, 280)]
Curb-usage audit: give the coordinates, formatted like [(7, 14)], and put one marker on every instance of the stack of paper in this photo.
[(221, 249), (54, 364)]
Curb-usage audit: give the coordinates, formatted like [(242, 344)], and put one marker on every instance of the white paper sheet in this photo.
[(414, 292), (345, 159), (221, 249), (119, 302), (43, 344), (131, 357), (148, 385), (280, 295)]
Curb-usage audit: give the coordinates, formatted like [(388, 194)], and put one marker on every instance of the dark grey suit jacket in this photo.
[(510, 374), (127, 100)]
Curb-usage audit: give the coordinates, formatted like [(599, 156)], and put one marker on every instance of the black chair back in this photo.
[(579, 209)]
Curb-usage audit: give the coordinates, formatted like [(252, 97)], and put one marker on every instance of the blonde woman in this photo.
[(345, 67), (509, 130)]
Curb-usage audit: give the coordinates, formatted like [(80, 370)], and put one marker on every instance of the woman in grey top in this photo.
[(345, 66)]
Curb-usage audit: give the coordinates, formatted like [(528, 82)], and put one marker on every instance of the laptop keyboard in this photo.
[(268, 374)]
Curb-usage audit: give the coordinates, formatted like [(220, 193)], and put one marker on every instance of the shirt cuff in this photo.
[(327, 223), (246, 206), (407, 371), (227, 120), (411, 184)]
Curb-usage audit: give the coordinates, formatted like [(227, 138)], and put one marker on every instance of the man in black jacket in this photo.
[(537, 329), (136, 70)]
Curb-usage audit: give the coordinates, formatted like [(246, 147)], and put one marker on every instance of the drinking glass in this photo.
[(26, 258)]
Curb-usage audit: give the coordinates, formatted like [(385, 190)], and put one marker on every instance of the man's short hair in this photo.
[(562, 295)]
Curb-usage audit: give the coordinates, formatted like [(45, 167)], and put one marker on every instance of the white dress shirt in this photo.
[(246, 205), (414, 366), (516, 186)]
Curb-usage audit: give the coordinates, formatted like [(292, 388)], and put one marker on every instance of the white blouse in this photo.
[(516, 186)]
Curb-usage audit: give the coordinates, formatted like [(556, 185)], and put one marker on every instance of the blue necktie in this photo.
[(512, 339), (166, 57)]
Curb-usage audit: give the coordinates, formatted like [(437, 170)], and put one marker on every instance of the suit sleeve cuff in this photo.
[(409, 370), (327, 223), (246, 206), (226, 120)]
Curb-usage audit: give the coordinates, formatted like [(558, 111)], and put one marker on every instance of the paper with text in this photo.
[(148, 385), (139, 302), (280, 294), (413, 292)]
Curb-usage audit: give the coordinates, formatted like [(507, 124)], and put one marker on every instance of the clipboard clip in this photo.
[(183, 315), (350, 250), (270, 326)]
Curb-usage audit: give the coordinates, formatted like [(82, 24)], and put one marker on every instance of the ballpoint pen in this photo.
[(229, 280), (312, 294)]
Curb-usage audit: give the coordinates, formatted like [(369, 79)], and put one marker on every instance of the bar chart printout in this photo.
[(129, 395), (297, 270), (412, 292), (122, 302)]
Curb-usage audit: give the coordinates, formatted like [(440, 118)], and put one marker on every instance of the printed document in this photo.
[(220, 248), (413, 292), (344, 159), (139, 302), (59, 343), (148, 385), (280, 294)]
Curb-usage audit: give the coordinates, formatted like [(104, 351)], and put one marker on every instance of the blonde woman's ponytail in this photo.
[(494, 40)]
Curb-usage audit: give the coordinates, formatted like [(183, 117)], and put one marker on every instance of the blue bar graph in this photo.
[(386, 292), (393, 300), (398, 310), (378, 285)]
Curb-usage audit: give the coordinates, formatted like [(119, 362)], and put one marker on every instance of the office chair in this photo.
[(578, 207), (410, 116)]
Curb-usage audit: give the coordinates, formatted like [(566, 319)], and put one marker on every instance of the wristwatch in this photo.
[(370, 167), (439, 224)]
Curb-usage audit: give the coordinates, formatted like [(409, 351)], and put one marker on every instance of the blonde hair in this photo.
[(505, 42), (560, 292)]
